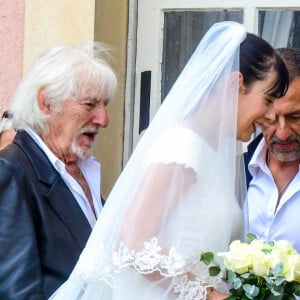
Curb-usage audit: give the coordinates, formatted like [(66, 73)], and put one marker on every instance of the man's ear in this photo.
[(42, 103)]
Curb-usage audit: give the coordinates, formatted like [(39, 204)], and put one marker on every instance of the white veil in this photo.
[(177, 195)]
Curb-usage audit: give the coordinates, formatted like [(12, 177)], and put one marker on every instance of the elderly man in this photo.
[(49, 182), (274, 193)]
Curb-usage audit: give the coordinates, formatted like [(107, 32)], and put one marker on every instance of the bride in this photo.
[(181, 191)]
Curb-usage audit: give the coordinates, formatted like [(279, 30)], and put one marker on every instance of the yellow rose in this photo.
[(277, 256), (280, 256), (261, 263), (294, 261), (237, 259), (260, 260), (258, 245), (285, 247)]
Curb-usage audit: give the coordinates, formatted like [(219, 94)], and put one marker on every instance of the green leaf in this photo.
[(266, 251), (275, 293), (270, 243), (231, 276), (279, 280), (296, 289), (289, 297), (268, 279), (245, 275), (207, 257), (237, 283), (277, 270), (251, 237), (280, 297), (214, 271), (251, 290)]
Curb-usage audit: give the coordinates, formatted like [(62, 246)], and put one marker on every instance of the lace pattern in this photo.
[(146, 261), (188, 289), (150, 259)]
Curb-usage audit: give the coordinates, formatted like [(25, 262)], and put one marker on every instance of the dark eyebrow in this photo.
[(295, 112)]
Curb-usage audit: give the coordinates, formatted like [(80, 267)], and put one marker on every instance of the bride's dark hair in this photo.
[(257, 60)]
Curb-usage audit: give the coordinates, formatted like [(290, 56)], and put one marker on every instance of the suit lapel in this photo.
[(56, 191), (248, 155), (66, 206)]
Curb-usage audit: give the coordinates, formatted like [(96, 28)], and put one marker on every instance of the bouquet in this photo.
[(259, 270)]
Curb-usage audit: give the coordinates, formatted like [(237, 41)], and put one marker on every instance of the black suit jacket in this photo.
[(42, 228), (248, 155)]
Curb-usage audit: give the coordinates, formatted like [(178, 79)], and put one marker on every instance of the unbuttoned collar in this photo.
[(258, 160)]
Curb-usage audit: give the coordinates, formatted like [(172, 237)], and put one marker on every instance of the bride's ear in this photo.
[(234, 80), (241, 78), (242, 88)]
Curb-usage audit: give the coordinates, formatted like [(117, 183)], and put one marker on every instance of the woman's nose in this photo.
[(270, 115)]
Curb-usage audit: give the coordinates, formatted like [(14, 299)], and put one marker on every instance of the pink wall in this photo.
[(11, 48)]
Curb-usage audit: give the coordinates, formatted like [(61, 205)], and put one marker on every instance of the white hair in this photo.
[(66, 72)]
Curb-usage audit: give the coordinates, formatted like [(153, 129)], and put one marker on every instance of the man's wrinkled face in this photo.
[(283, 135), (75, 125)]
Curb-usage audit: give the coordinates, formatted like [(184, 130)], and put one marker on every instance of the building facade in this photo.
[(151, 42)]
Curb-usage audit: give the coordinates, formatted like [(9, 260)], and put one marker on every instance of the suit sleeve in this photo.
[(20, 270)]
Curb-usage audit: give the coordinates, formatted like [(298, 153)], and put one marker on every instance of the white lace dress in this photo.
[(207, 218)]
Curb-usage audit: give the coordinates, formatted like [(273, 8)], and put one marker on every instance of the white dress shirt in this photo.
[(90, 168), (264, 222)]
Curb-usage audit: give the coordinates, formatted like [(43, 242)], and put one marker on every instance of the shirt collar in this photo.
[(258, 160), (55, 161)]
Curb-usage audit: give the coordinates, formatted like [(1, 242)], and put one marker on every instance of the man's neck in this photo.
[(59, 150), (282, 172), (275, 165)]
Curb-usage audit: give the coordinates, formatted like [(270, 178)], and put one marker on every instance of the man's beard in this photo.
[(79, 151), (286, 155)]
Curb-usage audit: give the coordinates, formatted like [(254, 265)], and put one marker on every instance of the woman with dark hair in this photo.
[(7, 133), (182, 190)]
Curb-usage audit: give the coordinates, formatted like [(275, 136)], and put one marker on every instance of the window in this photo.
[(168, 31), (281, 28), (182, 32)]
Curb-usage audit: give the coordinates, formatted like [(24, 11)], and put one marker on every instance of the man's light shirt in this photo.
[(90, 168), (264, 221)]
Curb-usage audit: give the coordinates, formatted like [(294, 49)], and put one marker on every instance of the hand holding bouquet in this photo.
[(262, 270)]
